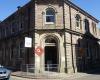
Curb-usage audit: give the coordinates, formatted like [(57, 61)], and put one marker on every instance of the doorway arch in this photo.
[(51, 54)]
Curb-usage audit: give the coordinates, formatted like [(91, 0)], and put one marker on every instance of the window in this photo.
[(86, 25), (12, 52), (94, 28), (1, 55), (50, 15), (21, 22), (0, 34), (3, 32), (88, 52), (21, 49), (13, 27), (7, 31), (78, 21)]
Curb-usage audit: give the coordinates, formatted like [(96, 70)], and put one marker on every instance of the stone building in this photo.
[(68, 37)]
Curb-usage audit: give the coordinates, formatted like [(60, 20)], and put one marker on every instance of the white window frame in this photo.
[(94, 28), (79, 22), (50, 15)]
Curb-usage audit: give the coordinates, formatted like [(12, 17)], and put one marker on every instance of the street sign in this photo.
[(39, 50), (28, 42)]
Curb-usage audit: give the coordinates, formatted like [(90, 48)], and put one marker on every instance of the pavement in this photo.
[(92, 75), (47, 76)]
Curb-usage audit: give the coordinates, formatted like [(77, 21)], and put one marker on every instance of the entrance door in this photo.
[(51, 55)]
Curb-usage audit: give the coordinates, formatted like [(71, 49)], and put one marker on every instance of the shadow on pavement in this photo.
[(95, 71)]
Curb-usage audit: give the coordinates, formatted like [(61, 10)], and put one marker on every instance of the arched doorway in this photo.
[(51, 54)]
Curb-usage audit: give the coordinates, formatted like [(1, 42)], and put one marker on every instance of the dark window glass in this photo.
[(50, 19), (86, 25), (21, 49)]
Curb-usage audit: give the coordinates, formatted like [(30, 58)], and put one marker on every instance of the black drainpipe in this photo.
[(64, 36), (71, 37)]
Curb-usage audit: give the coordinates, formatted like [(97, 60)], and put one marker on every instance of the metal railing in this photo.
[(28, 68), (47, 67), (49, 71), (52, 67)]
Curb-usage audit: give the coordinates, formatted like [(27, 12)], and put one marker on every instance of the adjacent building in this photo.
[(67, 37)]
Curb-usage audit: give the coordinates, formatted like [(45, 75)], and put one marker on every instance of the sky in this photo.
[(7, 7), (90, 6)]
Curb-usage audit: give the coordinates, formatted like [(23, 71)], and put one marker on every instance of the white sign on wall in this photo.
[(28, 42)]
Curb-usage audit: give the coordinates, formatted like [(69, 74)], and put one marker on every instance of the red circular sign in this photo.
[(39, 51)]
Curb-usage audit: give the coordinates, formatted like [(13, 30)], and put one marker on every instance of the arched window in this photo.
[(86, 25), (78, 21), (50, 15)]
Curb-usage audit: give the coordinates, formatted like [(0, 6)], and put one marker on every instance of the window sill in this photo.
[(78, 27), (49, 22)]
